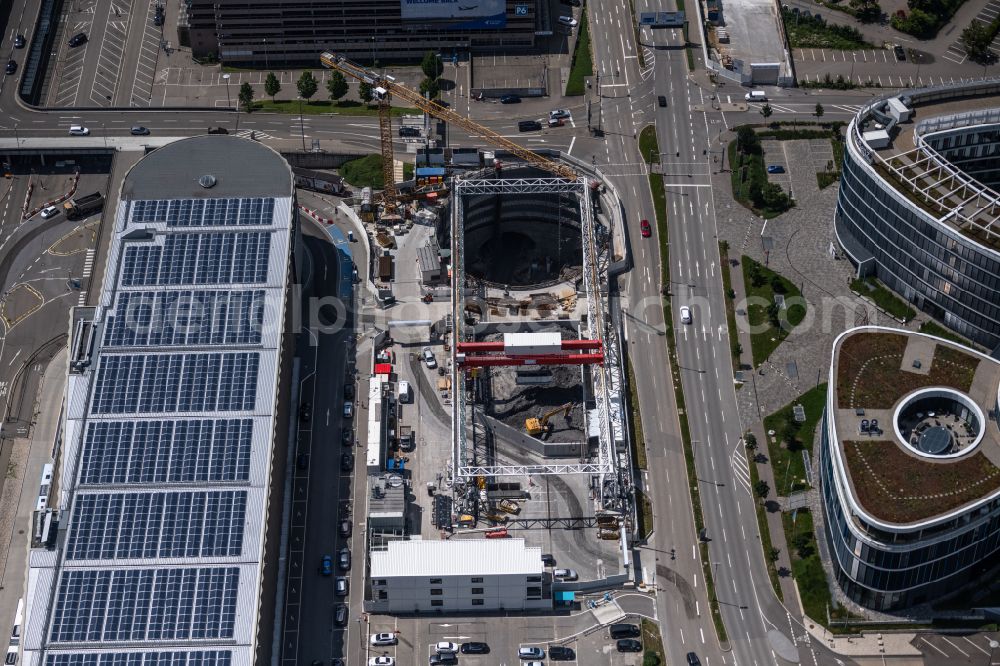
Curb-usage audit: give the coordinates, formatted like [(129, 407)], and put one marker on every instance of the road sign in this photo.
[(520, 10)]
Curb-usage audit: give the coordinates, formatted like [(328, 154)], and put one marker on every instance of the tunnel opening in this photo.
[(524, 240)]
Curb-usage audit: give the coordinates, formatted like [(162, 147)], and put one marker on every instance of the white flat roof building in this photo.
[(457, 575)]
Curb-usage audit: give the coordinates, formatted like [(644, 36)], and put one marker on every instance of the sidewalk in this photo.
[(20, 485)]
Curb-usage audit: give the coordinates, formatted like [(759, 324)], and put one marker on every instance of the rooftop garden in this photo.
[(869, 372), (900, 488)]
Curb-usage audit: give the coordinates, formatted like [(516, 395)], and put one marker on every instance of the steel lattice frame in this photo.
[(461, 468)]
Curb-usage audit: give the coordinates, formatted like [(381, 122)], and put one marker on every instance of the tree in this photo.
[(272, 86), (337, 85), (777, 284), (761, 489), (307, 85), (803, 544), (766, 110), (819, 110), (366, 92), (750, 441), (430, 87), (746, 140), (246, 97), (773, 197), (866, 10), (774, 315), (650, 658), (976, 39), (774, 554), (432, 65)]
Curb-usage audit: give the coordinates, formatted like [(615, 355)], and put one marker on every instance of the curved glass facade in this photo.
[(890, 569), (944, 273)]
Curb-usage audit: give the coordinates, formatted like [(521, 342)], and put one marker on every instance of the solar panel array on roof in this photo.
[(145, 604), (129, 383), (203, 212), (189, 317), (198, 258), (198, 658), (172, 524), (197, 450)]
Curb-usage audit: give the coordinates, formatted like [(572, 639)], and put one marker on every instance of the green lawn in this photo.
[(648, 147), (583, 65), (786, 461), (645, 513), (367, 171), (727, 288), (760, 283), (320, 106), (933, 328), (638, 442), (883, 298), (808, 570), (745, 170), (815, 33), (652, 643), (765, 533)]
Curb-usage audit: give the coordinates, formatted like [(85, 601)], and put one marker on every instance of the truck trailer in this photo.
[(80, 207)]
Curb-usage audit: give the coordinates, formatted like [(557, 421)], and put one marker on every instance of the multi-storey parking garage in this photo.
[(919, 206), (910, 466)]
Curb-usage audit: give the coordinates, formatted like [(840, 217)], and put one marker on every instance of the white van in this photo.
[(403, 390), (756, 96)]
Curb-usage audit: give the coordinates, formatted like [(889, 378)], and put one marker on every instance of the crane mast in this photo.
[(385, 86)]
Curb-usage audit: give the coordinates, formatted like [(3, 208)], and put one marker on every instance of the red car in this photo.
[(647, 231)]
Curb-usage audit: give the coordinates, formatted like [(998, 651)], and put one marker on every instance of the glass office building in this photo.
[(918, 206), (887, 564)]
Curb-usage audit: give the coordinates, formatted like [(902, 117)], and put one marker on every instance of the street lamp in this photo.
[(225, 77), (993, 646), (302, 127), (267, 63), (17, 139)]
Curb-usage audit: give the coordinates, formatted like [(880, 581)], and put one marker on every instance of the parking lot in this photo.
[(117, 64), (956, 52), (580, 631), (955, 648)]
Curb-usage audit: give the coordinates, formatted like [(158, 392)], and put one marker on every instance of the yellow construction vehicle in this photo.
[(385, 87), (536, 427)]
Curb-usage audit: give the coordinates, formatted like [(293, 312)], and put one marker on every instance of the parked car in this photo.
[(624, 630), (344, 559), (528, 126), (899, 51), (19, 42), (345, 436), (340, 586), (158, 16), (685, 314), (340, 616), (647, 230), (568, 21), (139, 130), (628, 645), (78, 39), (349, 391), (305, 411), (443, 659), (548, 560), (326, 565), (429, 359), (348, 410), (530, 652), (384, 638), (661, 100), (556, 122), (11, 67), (443, 647), (50, 211), (409, 131), (561, 653), (345, 528), (346, 462), (475, 647), (78, 130), (559, 113), (510, 99), (775, 168), (564, 574)]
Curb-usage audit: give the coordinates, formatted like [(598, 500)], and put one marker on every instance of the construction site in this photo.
[(501, 415)]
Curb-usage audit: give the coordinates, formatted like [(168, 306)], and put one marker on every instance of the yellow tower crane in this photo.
[(385, 87)]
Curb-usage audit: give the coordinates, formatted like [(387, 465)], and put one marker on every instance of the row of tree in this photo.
[(307, 86)]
